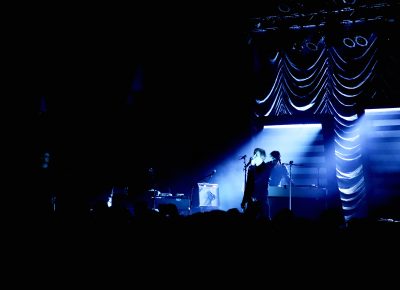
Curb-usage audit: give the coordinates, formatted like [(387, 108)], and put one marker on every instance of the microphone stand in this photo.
[(290, 182), (245, 170), (207, 177), (290, 185), (191, 199), (153, 185), (245, 166)]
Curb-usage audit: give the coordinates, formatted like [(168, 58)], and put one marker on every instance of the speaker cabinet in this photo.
[(168, 204)]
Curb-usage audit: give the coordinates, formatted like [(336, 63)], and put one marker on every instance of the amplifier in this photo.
[(182, 203)]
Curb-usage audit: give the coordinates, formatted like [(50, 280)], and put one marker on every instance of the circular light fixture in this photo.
[(361, 40), (284, 8), (349, 42), (311, 46)]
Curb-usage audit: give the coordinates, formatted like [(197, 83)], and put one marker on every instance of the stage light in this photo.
[(293, 126), (350, 2), (383, 110), (284, 8), (361, 40), (311, 46), (349, 42)]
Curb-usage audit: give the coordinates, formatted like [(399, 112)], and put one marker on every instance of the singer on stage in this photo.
[(255, 198)]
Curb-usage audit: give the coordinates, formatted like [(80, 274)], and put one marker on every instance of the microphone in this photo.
[(243, 157)]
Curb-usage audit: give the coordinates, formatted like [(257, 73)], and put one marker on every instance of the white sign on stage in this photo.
[(208, 194)]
